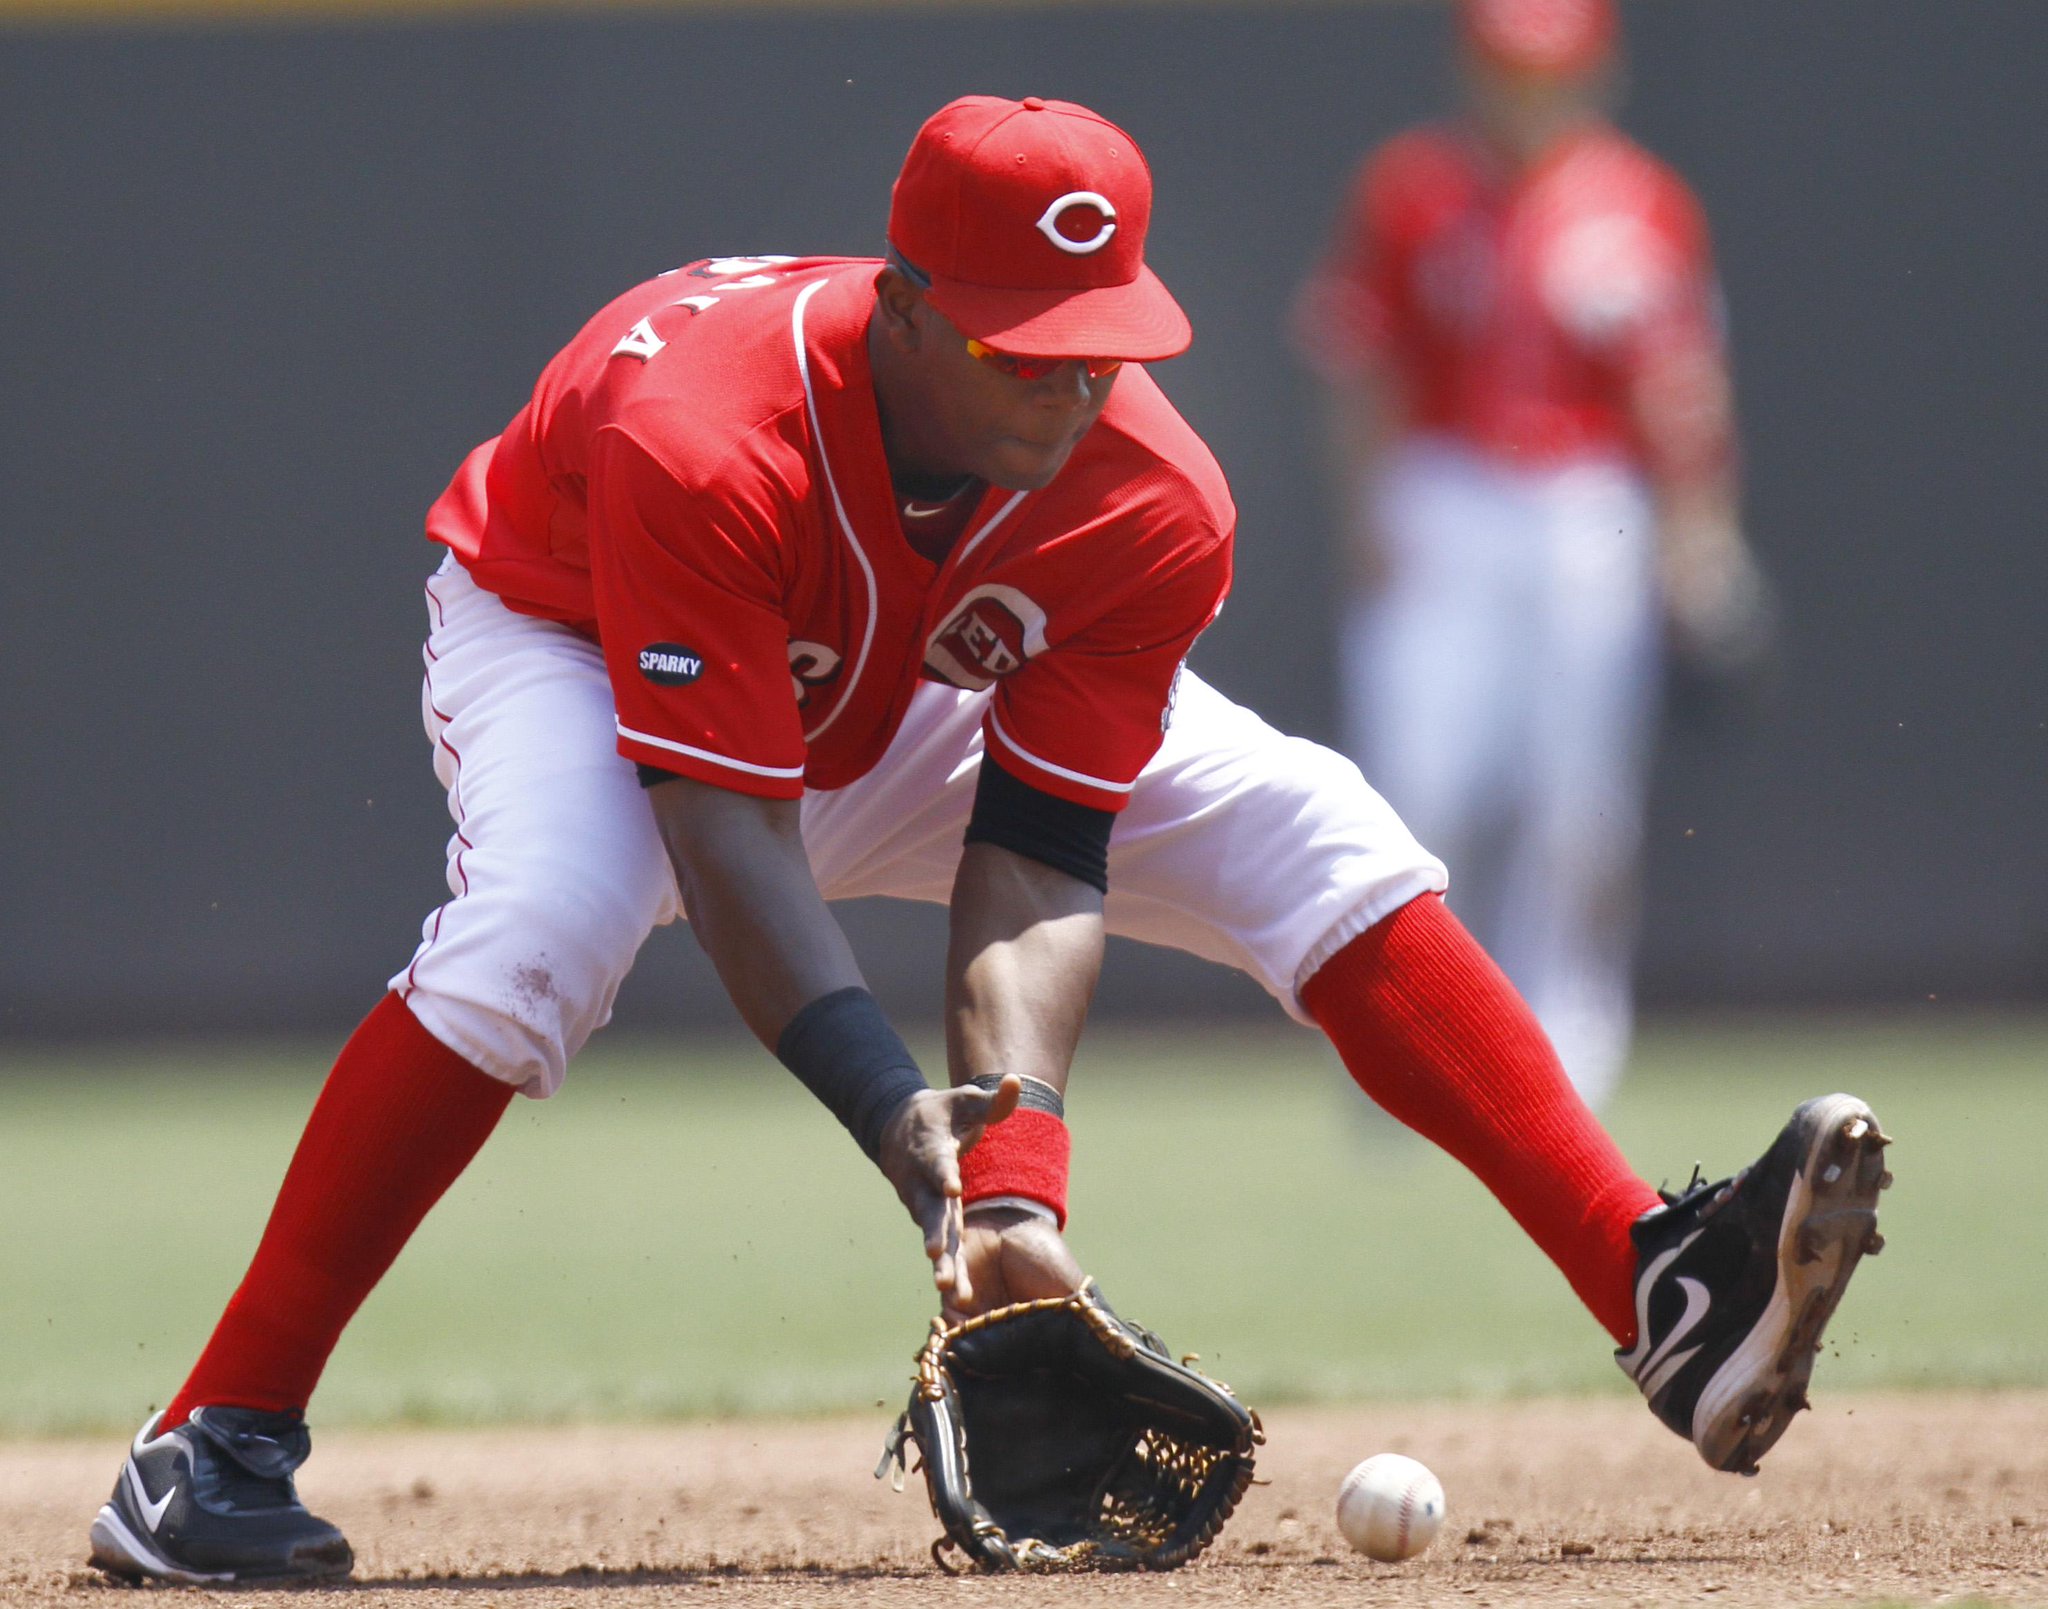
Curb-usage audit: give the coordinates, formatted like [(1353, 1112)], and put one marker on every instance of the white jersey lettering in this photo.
[(639, 342)]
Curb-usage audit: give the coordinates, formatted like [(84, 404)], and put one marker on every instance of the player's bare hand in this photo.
[(921, 1157), (1012, 1256), (1722, 614)]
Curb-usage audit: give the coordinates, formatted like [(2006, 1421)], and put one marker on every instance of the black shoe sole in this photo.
[(1829, 1226)]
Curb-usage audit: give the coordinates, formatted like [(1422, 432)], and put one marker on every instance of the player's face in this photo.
[(1021, 428), (947, 412)]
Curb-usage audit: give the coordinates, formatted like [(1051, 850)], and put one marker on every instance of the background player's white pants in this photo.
[(1263, 852), (1501, 691)]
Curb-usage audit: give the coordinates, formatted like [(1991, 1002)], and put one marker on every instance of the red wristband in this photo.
[(1024, 1155)]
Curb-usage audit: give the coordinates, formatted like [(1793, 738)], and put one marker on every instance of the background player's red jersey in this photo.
[(1518, 313), (699, 482)]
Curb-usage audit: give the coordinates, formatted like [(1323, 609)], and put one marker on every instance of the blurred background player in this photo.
[(1519, 333)]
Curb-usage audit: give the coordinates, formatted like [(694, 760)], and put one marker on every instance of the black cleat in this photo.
[(224, 1507), (1736, 1280)]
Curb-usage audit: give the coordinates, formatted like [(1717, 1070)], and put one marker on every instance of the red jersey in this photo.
[(1522, 313), (699, 483)]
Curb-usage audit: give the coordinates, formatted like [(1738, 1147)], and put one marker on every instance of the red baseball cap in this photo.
[(1024, 222), (1540, 36)]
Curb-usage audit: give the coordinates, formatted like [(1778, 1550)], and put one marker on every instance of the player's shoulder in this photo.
[(1148, 465), (1413, 180), (1608, 169), (1426, 157), (701, 366), (750, 296)]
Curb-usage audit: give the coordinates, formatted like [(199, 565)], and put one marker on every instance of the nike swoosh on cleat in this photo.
[(152, 1513), (1697, 1301), (1646, 1282)]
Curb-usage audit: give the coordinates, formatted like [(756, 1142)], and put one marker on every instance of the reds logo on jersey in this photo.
[(1608, 274), (811, 664), (992, 631)]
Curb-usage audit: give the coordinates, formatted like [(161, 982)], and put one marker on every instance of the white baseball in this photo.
[(1390, 1507)]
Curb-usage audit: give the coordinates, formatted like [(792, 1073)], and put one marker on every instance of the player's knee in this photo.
[(521, 1015), (528, 1048), (1324, 788), (518, 977), (1320, 827), (593, 915)]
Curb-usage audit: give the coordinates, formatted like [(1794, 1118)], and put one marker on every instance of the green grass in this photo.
[(683, 1232)]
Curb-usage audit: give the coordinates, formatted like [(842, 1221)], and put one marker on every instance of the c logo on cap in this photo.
[(1048, 225)]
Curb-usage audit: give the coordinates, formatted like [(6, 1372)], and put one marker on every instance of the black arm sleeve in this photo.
[(1040, 826), (847, 1055)]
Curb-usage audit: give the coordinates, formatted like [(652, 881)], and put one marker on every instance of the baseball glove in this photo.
[(1056, 1436)]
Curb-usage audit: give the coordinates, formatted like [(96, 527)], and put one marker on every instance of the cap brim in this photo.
[(1139, 322)]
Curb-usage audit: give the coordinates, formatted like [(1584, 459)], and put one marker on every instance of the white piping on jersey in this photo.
[(706, 754), (1081, 777), (995, 519), (867, 570)]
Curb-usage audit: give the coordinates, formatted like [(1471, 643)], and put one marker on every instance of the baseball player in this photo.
[(1519, 330), (807, 578)]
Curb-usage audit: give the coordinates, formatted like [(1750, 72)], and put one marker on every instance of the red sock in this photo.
[(1434, 1032), (398, 1120)]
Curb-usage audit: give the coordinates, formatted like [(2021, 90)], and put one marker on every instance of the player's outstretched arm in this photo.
[(1023, 955), (1022, 963), (747, 886), (746, 883)]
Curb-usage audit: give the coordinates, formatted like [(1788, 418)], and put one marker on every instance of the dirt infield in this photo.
[(1914, 1499)]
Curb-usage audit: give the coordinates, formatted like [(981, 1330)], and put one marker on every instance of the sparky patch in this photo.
[(670, 664)]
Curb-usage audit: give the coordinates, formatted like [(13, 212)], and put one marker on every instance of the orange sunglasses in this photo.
[(1037, 368)]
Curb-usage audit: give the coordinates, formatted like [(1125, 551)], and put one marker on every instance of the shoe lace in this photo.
[(251, 1458), (1700, 1194)]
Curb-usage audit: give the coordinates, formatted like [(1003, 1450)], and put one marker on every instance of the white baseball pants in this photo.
[(1501, 688), (1264, 852)]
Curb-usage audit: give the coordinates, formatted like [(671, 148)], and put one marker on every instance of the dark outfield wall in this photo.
[(263, 288)]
